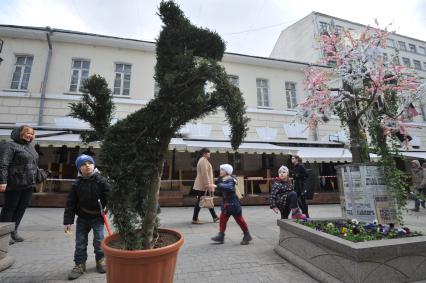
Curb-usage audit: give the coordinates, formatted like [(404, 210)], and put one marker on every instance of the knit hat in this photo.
[(83, 158), (283, 169), (227, 168)]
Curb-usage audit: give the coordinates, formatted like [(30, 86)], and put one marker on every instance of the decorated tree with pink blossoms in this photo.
[(373, 96), (361, 85)]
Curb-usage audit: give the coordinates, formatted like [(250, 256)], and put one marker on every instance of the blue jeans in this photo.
[(81, 238), (418, 200)]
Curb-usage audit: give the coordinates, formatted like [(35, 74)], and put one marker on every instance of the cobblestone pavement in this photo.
[(47, 253)]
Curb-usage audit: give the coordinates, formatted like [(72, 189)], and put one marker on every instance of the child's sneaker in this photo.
[(246, 239), (77, 271), (296, 214), (220, 238), (101, 266)]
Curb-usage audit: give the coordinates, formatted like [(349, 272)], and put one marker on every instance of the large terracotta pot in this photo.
[(151, 266)]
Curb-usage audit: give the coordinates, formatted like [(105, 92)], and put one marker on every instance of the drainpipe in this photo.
[(46, 76)]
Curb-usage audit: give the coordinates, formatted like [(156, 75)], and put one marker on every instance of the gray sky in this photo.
[(248, 26)]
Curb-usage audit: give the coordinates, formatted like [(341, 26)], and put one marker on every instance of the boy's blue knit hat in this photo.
[(83, 158)]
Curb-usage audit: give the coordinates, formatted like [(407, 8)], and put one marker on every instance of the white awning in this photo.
[(223, 147), (71, 140), (414, 154), (327, 154)]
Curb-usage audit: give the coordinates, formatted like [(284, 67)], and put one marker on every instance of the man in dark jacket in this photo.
[(83, 201), (299, 176), (18, 174)]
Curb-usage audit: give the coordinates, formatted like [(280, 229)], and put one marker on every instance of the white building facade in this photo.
[(43, 68)]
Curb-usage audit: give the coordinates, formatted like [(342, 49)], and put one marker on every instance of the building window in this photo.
[(156, 89), (402, 45), (324, 27), (262, 93), (385, 57), (79, 73), (396, 60), (338, 30), (422, 50), (21, 75), (235, 80), (391, 43), (417, 65), (412, 48), (406, 62), (123, 73), (424, 65), (290, 93)]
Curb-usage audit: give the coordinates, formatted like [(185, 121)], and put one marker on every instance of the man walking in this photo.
[(299, 177)]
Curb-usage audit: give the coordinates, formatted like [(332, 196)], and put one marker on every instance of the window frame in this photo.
[(402, 45), (263, 94), (290, 98), (321, 27), (404, 62), (424, 50), (22, 72), (390, 45), (121, 79), (79, 79), (231, 77), (419, 64), (410, 45)]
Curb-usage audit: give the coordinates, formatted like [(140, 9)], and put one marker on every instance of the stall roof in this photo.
[(415, 154), (64, 139), (326, 154), (222, 146)]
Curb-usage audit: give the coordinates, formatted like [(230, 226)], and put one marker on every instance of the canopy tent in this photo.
[(326, 154), (247, 147)]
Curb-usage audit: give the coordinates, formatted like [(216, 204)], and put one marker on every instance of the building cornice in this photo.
[(67, 36)]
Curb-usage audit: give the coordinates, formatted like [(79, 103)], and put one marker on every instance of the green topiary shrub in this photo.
[(134, 149)]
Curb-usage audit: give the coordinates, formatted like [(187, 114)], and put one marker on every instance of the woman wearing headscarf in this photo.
[(18, 176)]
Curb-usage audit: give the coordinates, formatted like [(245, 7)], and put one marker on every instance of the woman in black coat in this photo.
[(18, 174)]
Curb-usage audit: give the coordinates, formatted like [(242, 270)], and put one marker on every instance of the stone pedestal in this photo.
[(5, 260), (329, 258)]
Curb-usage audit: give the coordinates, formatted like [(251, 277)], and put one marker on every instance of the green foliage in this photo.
[(96, 107), (135, 148), (388, 150)]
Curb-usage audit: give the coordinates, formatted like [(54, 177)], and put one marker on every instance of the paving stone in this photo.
[(47, 253)]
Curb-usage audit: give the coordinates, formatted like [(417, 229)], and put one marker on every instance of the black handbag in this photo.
[(41, 176)]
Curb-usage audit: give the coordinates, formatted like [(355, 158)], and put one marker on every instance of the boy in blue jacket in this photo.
[(231, 205)]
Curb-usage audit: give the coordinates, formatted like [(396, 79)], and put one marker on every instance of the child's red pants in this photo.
[(239, 219)]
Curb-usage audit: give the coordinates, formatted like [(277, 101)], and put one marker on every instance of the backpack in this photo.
[(309, 184)]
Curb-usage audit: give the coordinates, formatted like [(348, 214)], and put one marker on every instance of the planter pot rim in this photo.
[(352, 248), (114, 252)]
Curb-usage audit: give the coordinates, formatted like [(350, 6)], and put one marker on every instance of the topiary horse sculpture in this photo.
[(134, 149)]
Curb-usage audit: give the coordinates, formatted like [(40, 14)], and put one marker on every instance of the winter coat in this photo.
[(18, 163), (279, 192), (231, 204), (84, 195), (204, 175), (419, 177), (299, 175)]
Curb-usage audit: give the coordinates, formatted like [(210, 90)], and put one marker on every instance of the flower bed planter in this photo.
[(5, 260), (329, 258)]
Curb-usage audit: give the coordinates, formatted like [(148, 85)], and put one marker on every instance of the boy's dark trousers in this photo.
[(81, 238)]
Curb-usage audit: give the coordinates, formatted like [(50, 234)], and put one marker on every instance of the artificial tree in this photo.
[(96, 107), (134, 149), (372, 95)]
